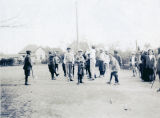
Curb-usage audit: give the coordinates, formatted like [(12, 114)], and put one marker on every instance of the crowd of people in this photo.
[(146, 64)]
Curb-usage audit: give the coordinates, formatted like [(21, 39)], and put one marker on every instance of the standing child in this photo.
[(27, 66), (51, 66), (134, 64), (114, 69), (69, 61), (88, 65), (80, 61)]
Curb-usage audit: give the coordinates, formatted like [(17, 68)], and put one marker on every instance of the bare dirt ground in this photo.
[(46, 98)]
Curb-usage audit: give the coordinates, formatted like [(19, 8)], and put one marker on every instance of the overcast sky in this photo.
[(53, 23)]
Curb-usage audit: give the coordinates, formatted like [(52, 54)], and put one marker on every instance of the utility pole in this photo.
[(77, 42), (136, 47)]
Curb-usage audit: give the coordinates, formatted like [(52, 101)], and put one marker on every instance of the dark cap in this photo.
[(50, 52), (80, 50), (115, 51), (68, 48), (93, 47), (28, 52)]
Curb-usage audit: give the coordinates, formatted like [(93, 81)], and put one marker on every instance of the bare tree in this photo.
[(147, 46), (10, 22)]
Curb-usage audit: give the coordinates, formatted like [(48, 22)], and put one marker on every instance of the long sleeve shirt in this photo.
[(69, 57)]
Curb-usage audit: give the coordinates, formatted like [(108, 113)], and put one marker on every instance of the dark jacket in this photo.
[(118, 58), (27, 63), (150, 63), (80, 68)]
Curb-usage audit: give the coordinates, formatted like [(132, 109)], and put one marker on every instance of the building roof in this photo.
[(9, 56), (32, 48)]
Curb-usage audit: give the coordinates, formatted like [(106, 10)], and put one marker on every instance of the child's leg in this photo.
[(116, 77), (81, 78), (89, 71), (78, 79), (111, 76)]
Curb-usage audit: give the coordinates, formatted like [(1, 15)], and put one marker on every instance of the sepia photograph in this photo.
[(80, 58)]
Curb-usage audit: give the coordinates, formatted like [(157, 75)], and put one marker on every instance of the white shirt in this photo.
[(69, 57), (93, 54), (102, 56), (107, 59), (133, 60)]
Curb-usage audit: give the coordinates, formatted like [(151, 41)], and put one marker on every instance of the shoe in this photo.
[(108, 82), (57, 74), (158, 90), (53, 79), (116, 83), (71, 80)]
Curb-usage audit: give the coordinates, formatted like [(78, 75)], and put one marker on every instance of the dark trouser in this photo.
[(69, 70), (26, 79), (73, 71), (151, 74), (64, 68), (115, 74), (80, 77), (101, 67), (52, 70), (145, 75), (88, 70), (141, 69), (27, 73), (56, 67), (158, 73)]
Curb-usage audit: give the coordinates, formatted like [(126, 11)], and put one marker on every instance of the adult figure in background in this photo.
[(27, 66), (118, 57), (140, 64), (93, 62), (144, 70), (158, 66), (151, 65), (69, 59)]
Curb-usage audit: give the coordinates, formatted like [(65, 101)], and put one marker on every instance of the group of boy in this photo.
[(83, 60)]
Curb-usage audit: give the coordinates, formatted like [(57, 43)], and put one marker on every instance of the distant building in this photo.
[(38, 53)]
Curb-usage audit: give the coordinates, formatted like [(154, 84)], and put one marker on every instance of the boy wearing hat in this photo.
[(134, 64), (101, 63), (88, 65), (80, 61), (114, 69), (69, 60), (27, 66), (117, 56), (51, 66)]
